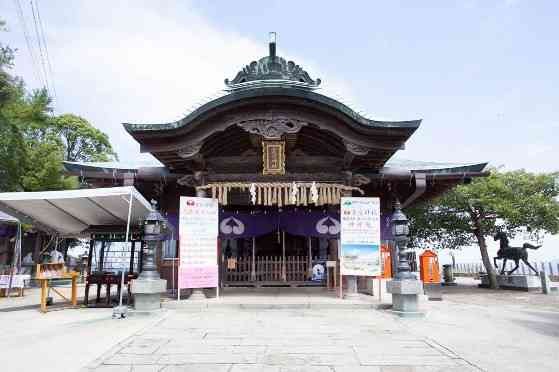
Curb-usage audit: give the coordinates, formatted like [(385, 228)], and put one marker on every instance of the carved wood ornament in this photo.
[(272, 129), (273, 157)]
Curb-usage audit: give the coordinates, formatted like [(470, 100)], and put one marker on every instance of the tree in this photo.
[(33, 143), (466, 215), (82, 141)]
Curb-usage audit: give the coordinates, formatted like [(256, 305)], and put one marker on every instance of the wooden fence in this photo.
[(472, 269), (265, 270)]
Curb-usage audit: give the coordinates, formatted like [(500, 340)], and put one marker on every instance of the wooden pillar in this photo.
[(102, 257), (44, 291), (37, 246), (309, 273), (253, 267), (283, 272), (74, 290)]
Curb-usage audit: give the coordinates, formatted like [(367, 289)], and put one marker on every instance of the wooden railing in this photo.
[(267, 269), (473, 269)]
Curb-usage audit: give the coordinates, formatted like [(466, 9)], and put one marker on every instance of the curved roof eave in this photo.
[(239, 95)]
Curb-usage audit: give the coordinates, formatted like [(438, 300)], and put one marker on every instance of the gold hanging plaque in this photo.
[(273, 153)]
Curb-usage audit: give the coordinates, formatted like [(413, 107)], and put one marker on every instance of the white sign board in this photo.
[(198, 229), (360, 236)]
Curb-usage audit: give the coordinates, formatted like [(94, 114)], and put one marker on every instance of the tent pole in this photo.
[(16, 259), (126, 241), (129, 214)]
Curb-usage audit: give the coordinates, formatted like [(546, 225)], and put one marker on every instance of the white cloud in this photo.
[(149, 62)]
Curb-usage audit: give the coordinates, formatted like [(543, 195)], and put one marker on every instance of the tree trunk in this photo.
[(491, 274)]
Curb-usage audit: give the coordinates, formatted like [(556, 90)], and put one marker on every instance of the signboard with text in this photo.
[(360, 236), (198, 229)]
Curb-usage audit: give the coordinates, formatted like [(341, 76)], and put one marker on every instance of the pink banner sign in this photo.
[(198, 226), (198, 276)]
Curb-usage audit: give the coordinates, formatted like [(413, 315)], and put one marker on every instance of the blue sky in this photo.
[(483, 75)]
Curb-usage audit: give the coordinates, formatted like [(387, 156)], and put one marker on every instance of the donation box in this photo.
[(429, 267), (386, 258)]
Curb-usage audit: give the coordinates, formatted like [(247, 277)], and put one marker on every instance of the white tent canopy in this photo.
[(6, 218), (70, 212)]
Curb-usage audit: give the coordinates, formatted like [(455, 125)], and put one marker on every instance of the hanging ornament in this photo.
[(252, 193), (294, 193), (314, 193)]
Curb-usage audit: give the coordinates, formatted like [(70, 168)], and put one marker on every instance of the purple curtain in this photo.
[(246, 225), (7, 231), (316, 224), (385, 228)]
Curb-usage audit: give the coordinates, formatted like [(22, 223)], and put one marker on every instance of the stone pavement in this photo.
[(63, 340), (279, 340), (32, 297), (284, 329)]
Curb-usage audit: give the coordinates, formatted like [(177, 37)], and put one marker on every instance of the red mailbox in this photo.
[(429, 267)]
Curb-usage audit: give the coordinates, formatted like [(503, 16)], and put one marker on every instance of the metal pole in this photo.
[(129, 214), (340, 259), (379, 290), (127, 241), (17, 253)]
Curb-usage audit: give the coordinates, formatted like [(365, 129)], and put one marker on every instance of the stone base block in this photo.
[(148, 286), (518, 282), (147, 293), (405, 303), (405, 296), (404, 287), (147, 302), (407, 314), (197, 294)]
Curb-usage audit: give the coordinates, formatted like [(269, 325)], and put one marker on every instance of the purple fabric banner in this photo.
[(7, 231), (246, 225), (316, 224), (385, 227)]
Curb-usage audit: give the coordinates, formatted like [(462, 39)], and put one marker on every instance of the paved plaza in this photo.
[(280, 340), (471, 329)]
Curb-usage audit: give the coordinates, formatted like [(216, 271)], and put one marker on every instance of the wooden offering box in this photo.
[(51, 271)]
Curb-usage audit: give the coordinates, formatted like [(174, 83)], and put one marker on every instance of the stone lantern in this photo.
[(400, 227), (405, 288), (148, 287)]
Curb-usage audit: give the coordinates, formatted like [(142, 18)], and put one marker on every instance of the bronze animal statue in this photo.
[(507, 252)]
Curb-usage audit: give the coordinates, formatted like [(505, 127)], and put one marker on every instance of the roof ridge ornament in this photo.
[(273, 67)]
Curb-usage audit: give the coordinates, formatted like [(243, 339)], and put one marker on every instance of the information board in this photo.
[(360, 236), (198, 229)]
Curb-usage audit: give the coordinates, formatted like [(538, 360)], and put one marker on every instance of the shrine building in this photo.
[(278, 155)]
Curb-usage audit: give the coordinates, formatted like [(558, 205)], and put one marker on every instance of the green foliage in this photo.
[(511, 201), (33, 144), (82, 141)]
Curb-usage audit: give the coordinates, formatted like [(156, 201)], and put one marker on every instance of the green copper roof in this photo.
[(415, 166), (272, 88), (273, 68)]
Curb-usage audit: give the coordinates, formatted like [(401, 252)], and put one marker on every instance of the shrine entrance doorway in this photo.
[(277, 259)]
